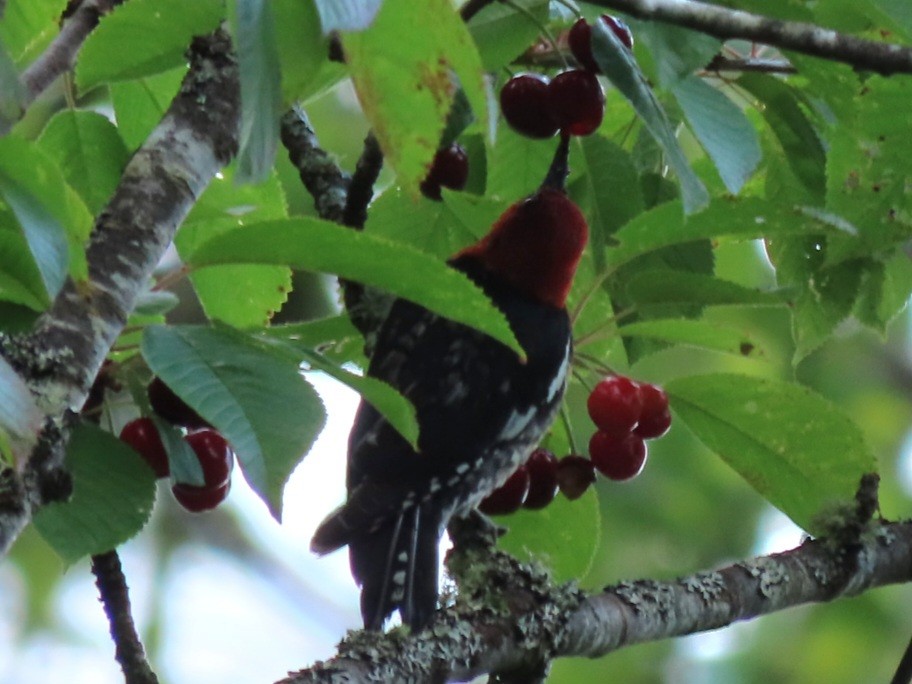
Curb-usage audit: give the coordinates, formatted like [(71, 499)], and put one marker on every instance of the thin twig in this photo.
[(808, 39), (361, 190), (115, 596)]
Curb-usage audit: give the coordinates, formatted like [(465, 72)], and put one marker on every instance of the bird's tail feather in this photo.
[(406, 548)]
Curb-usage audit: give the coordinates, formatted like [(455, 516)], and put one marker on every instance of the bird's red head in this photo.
[(536, 245)]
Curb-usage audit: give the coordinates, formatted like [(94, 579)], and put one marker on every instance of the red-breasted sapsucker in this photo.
[(481, 409)]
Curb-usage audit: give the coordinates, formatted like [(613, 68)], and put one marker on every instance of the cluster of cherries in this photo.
[(215, 455), (626, 413), (573, 102), (539, 107)]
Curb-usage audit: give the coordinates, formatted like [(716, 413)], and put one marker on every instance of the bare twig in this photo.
[(324, 180), (808, 39), (115, 596)]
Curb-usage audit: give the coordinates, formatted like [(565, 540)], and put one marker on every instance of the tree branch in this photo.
[(542, 621), (805, 38), (112, 588), (62, 354), (324, 180)]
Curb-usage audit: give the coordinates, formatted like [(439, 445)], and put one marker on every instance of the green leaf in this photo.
[(19, 414), (12, 92), (615, 190), (438, 228), (502, 33), (701, 334), (723, 130), (261, 91), (885, 291), (802, 147), (33, 189), (403, 68), (825, 295), (677, 52), (347, 15), (142, 38), (564, 535), (28, 26), (617, 62), (679, 287), (302, 50), (746, 218), (113, 494), (334, 338), (397, 410), (259, 401), (89, 151), (141, 104), (517, 164), (868, 175), (315, 245), (794, 447), (244, 296)]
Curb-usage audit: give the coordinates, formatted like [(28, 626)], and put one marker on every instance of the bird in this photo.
[(481, 407)]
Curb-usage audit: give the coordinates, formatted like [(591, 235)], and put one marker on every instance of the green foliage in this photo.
[(688, 176), (254, 397), (120, 49), (798, 450), (113, 493)]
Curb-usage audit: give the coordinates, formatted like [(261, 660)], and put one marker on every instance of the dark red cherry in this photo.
[(617, 457), (509, 496), (450, 169), (199, 499), (142, 435), (655, 418), (542, 467), (577, 101), (525, 101), (575, 474), (215, 456), (580, 40), (615, 405), (171, 407)]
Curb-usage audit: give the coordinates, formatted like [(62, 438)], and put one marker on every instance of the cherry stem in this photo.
[(540, 26), (599, 281), (593, 364), (599, 331), (565, 419), (170, 278), (559, 170)]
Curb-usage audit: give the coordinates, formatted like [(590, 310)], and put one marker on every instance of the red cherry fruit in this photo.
[(450, 169), (580, 40), (542, 467), (575, 474), (525, 101), (618, 458), (577, 101), (620, 29), (655, 418), (615, 405), (509, 496), (199, 499), (171, 407), (215, 456), (142, 435)]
